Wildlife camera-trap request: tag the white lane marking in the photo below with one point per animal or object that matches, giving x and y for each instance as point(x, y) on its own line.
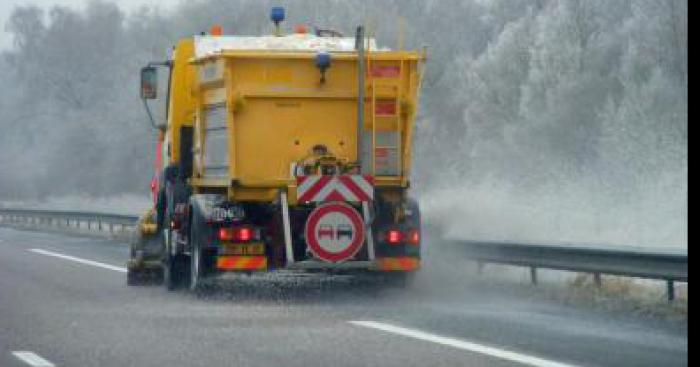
point(32, 359)
point(79, 260)
point(462, 344)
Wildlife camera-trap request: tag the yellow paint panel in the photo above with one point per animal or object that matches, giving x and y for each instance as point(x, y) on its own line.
point(278, 109)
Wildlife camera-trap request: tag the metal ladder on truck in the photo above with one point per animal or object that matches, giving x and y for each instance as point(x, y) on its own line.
point(386, 117)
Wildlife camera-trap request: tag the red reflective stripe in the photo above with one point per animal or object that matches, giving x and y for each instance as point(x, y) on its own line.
point(350, 184)
point(398, 264)
point(257, 262)
point(301, 179)
point(317, 189)
point(242, 262)
point(334, 196)
point(309, 194)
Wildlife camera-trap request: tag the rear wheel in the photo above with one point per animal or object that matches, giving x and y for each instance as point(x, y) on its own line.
point(176, 271)
point(196, 270)
point(201, 264)
point(148, 276)
point(175, 267)
point(135, 277)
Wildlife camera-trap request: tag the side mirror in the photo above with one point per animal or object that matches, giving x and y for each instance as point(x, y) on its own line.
point(149, 82)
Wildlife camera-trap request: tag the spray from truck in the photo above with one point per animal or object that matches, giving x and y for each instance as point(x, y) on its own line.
point(281, 152)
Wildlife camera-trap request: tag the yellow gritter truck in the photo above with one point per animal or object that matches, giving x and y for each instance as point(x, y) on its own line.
point(281, 152)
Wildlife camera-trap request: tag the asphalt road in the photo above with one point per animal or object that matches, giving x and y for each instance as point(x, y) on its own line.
point(64, 302)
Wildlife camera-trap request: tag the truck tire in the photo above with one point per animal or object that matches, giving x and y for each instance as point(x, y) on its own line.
point(175, 268)
point(134, 277)
point(201, 261)
point(196, 269)
point(176, 272)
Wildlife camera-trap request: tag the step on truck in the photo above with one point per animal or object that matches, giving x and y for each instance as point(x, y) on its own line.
point(281, 152)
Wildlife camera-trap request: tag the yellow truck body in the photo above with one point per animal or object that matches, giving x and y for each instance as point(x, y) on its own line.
point(256, 113)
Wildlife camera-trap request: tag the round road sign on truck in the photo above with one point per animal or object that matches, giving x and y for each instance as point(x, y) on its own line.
point(334, 232)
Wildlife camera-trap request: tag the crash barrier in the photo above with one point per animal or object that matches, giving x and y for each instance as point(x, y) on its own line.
point(661, 264)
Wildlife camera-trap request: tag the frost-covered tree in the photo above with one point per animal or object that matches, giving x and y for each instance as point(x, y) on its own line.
point(532, 95)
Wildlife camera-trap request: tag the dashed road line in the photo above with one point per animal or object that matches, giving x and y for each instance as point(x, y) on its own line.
point(32, 359)
point(79, 260)
point(490, 351)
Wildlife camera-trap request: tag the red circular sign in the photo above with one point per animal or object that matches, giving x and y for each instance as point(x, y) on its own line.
point(334, 232)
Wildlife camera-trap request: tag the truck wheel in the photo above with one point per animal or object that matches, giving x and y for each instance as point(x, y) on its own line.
point(175, 267)
point(196, 269)
point(134, 277)
point(175, 272)
point(200, 263)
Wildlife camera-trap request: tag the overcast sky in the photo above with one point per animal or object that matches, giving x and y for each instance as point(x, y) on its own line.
point(6, 7)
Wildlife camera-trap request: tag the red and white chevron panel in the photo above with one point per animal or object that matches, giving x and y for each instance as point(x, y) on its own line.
point(353, 188)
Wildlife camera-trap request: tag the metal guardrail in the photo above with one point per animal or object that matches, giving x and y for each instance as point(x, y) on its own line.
point(70, 220)
point(662, 264)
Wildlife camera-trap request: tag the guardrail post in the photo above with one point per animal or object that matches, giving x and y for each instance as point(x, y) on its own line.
point(670, 290)
point(533, 275)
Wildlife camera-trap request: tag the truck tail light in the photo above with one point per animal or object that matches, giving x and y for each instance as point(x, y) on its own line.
point(245, 234)
point(413, 237)
point(237, 234)
point(397, 237)
point(394, 237)
point(226, 234)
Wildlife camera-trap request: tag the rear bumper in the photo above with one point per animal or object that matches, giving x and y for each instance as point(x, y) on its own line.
point(259, 263)
point(404, 263)
point(242, 263)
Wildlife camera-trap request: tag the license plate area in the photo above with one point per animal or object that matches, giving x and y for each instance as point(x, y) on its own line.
point(242, 249)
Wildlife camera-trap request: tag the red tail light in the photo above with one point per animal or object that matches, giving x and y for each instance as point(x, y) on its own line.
point(413, 237)
point(394, 237)
point(226, 234)
point(245, 234)
point(240, 234)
